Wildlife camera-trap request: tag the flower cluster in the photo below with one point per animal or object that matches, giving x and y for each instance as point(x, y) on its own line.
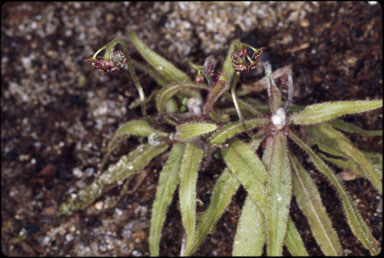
point(242, 62)
point(114, 63)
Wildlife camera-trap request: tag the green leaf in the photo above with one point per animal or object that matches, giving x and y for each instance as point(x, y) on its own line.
point(278, 195)
point(161, 65)
point(169, 179)
point(309, 201)
point(248, 168)
point(250, 233)
point(318, 113)
point(187, 192)
point(351, 128)
point(355, 220)
point(127, 166)
point(293, 240)
point(133, 127)
point(227, 66)
point(168, 92)
point(268, 152)
point(315, 136)
point(345, 146)
point(273, 92)
point(225, 187)
point(151, 72)
point(231, 129)
point(251, 173)
point(189, 131)
point(376, 159)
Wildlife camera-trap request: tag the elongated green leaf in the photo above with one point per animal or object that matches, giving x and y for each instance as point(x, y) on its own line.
point(152, 73)
point(324, 143)
point(168, 92)
point(278, 195)
point(293, 241)
point(248, 168)
point(273, 92)
point(268, 152)
point(231, 129)
point(164, 67)
point(346, 148)
point(133, 127)
point(250, 233)
point(187, 192)
point(318, 113)
point(189, 131)
point(225, 187)
point(376, 159)
point(355, 220)
point(128, 165)
point(227, 66)
point(169, 178)
point(243, 161)
point(309, 201)
point(351, 128)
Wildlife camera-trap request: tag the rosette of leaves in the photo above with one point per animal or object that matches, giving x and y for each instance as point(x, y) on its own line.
point(198, 128)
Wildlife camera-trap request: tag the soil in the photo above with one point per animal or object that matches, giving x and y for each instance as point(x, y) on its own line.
point(57, 114)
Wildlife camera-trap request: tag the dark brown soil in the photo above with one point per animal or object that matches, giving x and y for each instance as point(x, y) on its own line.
point(57, 115)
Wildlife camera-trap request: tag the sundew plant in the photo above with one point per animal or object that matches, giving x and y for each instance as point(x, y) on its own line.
point(198, 121)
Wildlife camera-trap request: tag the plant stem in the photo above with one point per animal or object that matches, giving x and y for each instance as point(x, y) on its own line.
point(234, 98)
point(132, 73)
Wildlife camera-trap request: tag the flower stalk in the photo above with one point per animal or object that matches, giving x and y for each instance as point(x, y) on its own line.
point(114, 60)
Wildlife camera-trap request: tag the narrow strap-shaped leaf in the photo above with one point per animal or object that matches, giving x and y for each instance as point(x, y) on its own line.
point(293, 241)
point(151, 72)
point(227, 66)
point(242, 161)
point(161, 65)
point(250, 232)
point(309, 201)
point(278, 195)
point(133, 127)
point(268, 152)
point(225, 187)
point(376, 159)
point(274, 93)
point(347, 148)
point(231, 129)
point(248, 168)
point(168, 181)
point(187, 192)
point(351, 128)
point(189, 131)
point(168, 92)
point(325, 144)
point(322, 112)
point(355, 220)
point(128, 165)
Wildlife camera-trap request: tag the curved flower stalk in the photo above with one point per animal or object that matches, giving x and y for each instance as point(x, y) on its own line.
point(114, 60)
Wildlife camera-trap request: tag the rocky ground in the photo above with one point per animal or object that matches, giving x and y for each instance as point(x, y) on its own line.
point(57, 114)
